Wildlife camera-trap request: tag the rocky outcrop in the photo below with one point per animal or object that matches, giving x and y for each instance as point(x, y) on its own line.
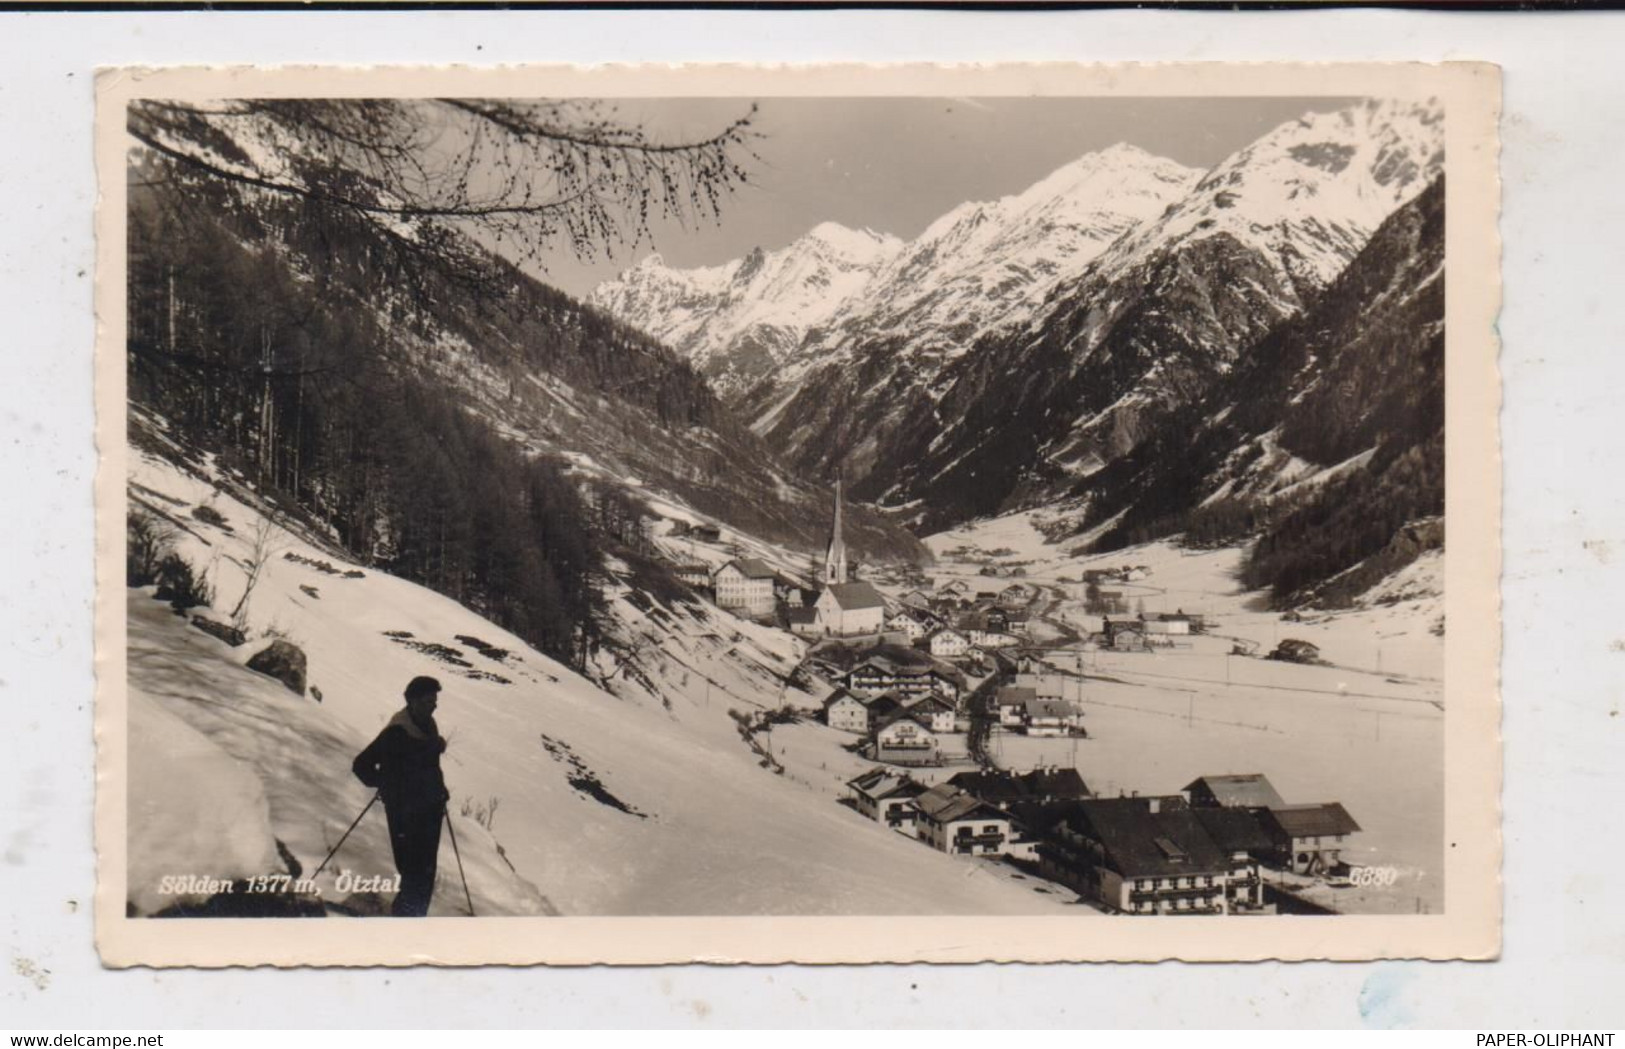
point(284, 661)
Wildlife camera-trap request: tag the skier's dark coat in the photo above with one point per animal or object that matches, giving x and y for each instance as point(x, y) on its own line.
point(403, 763)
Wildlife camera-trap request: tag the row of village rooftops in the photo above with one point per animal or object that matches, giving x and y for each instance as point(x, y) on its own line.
point(956, 622)
point(904, 712)
point(964, 620)
point(1198, 852)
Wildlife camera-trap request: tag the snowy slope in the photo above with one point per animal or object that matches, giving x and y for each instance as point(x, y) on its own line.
point(637, 797)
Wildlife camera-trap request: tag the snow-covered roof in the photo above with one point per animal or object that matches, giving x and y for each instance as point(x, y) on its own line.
point(879, 784)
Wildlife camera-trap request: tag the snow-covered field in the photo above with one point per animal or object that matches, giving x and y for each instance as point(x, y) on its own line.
point(638, 800)
point(1366, 730)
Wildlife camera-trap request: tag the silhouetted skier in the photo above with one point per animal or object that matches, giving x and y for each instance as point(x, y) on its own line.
point(403, 763)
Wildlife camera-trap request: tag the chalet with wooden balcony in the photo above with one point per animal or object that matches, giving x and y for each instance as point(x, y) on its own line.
point(887, 797)
point(956, 822)
point(1138, 856)
point(1240, 835)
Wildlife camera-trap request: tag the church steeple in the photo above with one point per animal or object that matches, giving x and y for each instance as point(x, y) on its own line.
point(835, 556)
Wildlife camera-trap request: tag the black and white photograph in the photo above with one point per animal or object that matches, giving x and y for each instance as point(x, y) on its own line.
point(1023, 506)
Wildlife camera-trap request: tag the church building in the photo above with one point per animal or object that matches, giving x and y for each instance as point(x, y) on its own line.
point(845, 607)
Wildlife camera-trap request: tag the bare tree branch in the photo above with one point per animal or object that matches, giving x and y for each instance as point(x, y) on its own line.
point(527, 172)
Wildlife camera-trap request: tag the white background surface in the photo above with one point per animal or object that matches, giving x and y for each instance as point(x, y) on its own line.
point(1564, 957)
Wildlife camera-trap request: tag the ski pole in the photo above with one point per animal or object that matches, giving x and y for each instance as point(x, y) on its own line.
point(342, 840)
point(454, 851)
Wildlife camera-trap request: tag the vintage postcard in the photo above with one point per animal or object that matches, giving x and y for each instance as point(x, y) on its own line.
point(827, 514)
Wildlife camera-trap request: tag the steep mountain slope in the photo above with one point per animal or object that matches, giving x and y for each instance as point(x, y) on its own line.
point(1327, 439)
point(1161, 315)
point(985, 266)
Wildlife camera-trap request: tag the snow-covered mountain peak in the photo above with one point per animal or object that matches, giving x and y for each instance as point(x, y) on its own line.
point(741, 317)
point(833, 290)
point(859, 245)
point(1310, 192)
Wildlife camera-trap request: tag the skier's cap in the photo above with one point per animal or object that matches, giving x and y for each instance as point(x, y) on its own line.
point(422, 685)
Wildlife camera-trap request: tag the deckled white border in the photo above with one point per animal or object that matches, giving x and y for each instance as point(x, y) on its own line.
point(1470, 926)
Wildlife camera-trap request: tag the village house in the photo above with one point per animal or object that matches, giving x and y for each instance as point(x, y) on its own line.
point(934, 712)
point(1010, 703)
point(930, 619)
point(1124, 635)
point(991, 639)
point(1052, 783)
point(1008, 790)
point(905, 622)
point(1251, 790)
point(803, 621)
point(846, 712)
point(916, 599)
point(948, 644)
point(871, 677)
point(956, 822)
point(1016, 595)
point(788, 591)
point(1194, 621)
point(1050, 685)
point(1138, 856)
point(1030, 663)
point(706, 533)
point(845, 609)
point(1051, 717)
point(887, 797)
point(745, 585)
point(1239, 834)
point(1168, 625)
point(900, 738)
point(997, 787)
point(874, 676)
point(1308, 839)
point(918, 680)
point(1296, 650)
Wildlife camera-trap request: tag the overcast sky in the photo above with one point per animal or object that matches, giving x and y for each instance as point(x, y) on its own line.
point(894, 165)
